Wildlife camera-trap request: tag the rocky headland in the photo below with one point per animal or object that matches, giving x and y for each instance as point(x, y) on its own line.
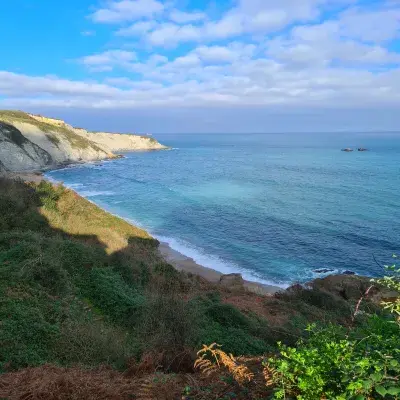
point(31, 143)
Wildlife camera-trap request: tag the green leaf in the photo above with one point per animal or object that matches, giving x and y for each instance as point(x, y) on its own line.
point(376, 376)
point(394, 390)
point(360, 397)
point(381, 390)
point(367, 384)
point(394, 363)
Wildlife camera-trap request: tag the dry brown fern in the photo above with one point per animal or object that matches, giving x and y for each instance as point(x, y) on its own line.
point(206, 364)
point(145, 390)
point(270, 375)
point(160, 386)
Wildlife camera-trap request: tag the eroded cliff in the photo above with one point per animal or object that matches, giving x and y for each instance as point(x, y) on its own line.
point(30, 142)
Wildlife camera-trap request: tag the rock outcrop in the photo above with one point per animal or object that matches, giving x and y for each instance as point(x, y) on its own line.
point(232, 281)
point(29, 142)
point(17, 153)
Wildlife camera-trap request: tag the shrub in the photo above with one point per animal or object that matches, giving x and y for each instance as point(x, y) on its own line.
point(333, 365)
point(92, 343)
point(392, 282)
point(362, 362)
point(237, 333)
point(108, 292)
point(49, 194)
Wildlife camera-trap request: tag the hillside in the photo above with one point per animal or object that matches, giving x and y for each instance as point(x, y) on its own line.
point(90, 310)
point(30, 142)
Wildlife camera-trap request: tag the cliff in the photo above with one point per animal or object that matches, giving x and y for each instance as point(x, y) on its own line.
point(31, 142)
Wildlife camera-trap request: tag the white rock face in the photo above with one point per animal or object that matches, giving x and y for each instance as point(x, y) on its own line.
point(29, 142)
point(19, 154)
point(121, 142)
point(63, 146)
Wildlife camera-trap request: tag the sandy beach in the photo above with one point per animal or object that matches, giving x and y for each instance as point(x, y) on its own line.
point(187, 264)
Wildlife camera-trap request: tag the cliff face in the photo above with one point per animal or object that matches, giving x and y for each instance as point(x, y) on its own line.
point(29, 142)
point(120, 142)
point(17, 153)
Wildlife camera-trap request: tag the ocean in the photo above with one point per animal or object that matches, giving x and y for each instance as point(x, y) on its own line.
point(274, 207)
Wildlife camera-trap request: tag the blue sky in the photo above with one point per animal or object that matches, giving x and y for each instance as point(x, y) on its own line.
point(209, 65)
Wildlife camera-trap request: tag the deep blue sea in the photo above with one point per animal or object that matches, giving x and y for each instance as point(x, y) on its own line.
point(274, 207)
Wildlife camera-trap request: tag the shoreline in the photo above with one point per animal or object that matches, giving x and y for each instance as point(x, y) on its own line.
point(178, 260)
point(181, 262)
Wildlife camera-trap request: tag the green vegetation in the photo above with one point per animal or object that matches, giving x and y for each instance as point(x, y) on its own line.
point(84, 286)
point(80, 286)
point(149, 138)
point(342, 364)
point(360, 362)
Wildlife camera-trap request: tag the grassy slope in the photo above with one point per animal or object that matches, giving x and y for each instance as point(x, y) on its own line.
point(80, 286)
point(83, 285)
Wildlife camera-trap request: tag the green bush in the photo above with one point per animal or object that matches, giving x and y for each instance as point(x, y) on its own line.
point(224, 324)
point(107, 291)
point(49, 194)
point(335, 365)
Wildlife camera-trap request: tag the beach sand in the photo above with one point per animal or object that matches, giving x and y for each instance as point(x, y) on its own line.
point(187, 264)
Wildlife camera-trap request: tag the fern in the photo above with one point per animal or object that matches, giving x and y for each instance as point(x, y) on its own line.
point(211, 358)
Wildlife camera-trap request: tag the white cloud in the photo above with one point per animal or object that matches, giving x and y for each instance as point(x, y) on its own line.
point(247, 17)
point(88, 33)
point(225, 54)
point(259, 53)
point(182, 17)
point(109, 57)
point(337, 41)
point(127, 10)
point(137, 29)
point(373, 26)
point(107, 60)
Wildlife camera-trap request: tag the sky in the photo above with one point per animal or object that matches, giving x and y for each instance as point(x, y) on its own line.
point(204, 65)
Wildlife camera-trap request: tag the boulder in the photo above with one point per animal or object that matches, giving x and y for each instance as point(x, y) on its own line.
point(352, 287)
point(347, 149)
point(323, 270)
point(362, 149)
point(232, 281)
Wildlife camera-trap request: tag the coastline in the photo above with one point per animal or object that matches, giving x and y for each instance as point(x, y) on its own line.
point(178, 260)
point(186, 264)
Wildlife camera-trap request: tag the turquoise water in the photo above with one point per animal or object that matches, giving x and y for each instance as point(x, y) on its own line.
point(274, 207)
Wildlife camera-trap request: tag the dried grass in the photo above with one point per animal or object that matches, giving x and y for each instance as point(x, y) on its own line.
point(54, 383)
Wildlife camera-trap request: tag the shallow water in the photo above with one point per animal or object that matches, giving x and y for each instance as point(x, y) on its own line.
point(274, 207)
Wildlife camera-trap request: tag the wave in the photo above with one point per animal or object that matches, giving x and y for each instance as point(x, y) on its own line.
point(214, 262)
point(89, 193)
point(74, 185)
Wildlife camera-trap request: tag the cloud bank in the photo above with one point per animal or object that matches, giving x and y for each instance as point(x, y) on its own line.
point(307, 55)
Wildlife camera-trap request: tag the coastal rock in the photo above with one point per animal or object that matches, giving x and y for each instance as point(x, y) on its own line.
point(348, 150)
point(362, 149)
point(30, 142)
point(348, 272)
point(294, 289)
point(352, 287)
point(323, 270)
point(17, 153)
point(232, 281)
